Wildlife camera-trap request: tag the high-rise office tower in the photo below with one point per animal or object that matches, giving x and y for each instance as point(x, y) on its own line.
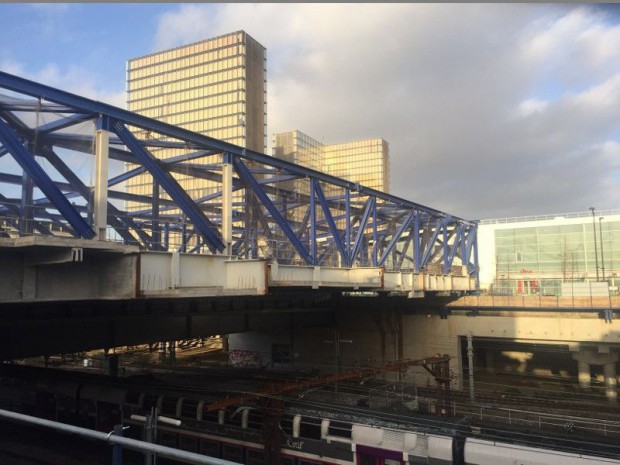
point(364, 161)
point(216, 87)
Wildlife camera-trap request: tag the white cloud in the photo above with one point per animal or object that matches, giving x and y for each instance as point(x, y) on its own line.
point(74, 79)
point(531, 106)
point(443, 84)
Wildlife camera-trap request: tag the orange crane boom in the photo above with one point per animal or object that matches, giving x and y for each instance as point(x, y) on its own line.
point(308, 383)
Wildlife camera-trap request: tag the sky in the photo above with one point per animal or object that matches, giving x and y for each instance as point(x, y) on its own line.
point(490, 110)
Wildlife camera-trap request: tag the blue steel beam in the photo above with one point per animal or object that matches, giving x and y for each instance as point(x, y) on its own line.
point(171, 186)
point(313, 248)
point(457, 236)
point(115, 216)
point(471, 246)
point(396, 237)
point(63, 123)
point(330, 221)
point(208, 175)
point(347, 224)
point(78, 103)
point(23, 105)
point(13, 208)
point(26, 160)
point(439, 224)
point(403, 253)
point(384, 211)
point(375, 237)
point(246, 176)
point(14, 121)
point(417, 257)
point(71, 192)
point(445, 249)
point(370, 207)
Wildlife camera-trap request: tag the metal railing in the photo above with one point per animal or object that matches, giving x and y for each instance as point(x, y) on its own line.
point(538, 420)
point(117, 440)
point(519, 219)
point(538, 301)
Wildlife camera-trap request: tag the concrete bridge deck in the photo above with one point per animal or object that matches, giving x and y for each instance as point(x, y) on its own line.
point(40, 268)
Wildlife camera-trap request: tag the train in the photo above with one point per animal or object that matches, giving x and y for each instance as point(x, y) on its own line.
point(304, 433)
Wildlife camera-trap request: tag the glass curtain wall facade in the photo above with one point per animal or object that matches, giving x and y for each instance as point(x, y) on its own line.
point(216, 87)
point(365, 161)
point(536, 257)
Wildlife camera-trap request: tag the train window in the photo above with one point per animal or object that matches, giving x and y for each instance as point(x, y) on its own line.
point(188, 409)
point(280, 353)
point(339, 429)
point(233, 417)
point(287, 460)
point(232, 453)
point(132, 398)
point(255, 419)
point(210, 448)
point(169, 406)
point(310, 428)
point(286, 424)
point(255, 457)
point(210, 416)
point(107, 416)
point(365, 459)
point(150, 401)
point(308, 462)
point(167, 439)
point(188, 443)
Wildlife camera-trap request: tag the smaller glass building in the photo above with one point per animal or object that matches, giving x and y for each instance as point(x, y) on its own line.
point(363, 161)
point(535, 255)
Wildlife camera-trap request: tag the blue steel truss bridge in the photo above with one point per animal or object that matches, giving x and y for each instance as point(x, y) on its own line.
point(73, 225)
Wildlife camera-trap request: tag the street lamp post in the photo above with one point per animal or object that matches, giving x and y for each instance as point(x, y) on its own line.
point(594, 234)
point(600, 230)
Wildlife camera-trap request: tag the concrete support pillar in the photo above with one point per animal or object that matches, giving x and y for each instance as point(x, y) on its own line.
point(29, 282)
point(470, 358)
point(603, 356)
point(172, 351)
point(110, 364)
point(609, 369)
point(584, 374)
point(489, 355)
point(227, 189)
point(102, 143)
point(161, 350)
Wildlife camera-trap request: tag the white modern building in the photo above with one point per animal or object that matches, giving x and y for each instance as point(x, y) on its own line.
point(538, 254)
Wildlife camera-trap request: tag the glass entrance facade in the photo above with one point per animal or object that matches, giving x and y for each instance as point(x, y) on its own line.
point(536, 256)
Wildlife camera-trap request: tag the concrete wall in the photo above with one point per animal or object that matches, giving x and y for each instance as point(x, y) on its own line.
point(12, 278)
point(367, 339)
point(107, 277)
point(374, 338)
point(65, 273)
point(426, 335)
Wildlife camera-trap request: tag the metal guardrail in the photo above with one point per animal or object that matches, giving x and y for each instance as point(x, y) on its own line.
point(519, 219)
point(538, 301)
point(118, 441)
point(540, 420)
